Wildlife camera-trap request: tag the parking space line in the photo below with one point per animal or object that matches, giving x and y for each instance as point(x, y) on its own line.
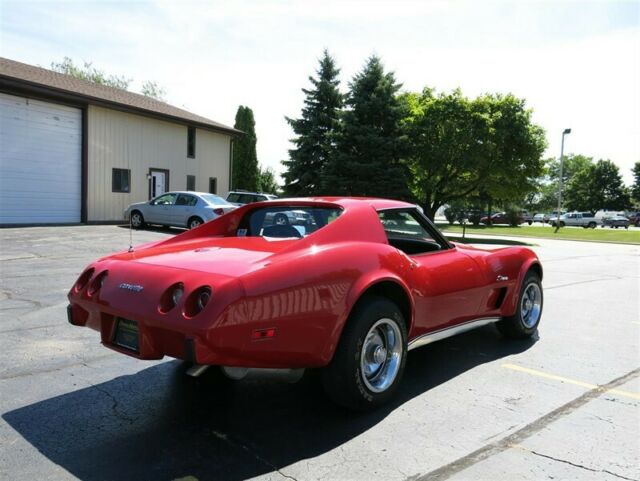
point(534, 372)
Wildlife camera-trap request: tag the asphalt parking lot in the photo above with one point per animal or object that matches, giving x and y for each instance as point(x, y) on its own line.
point(563, 406)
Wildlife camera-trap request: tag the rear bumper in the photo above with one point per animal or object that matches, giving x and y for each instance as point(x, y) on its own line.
point(223, 345)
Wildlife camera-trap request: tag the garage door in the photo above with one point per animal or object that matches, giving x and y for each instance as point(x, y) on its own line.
point(40, 161)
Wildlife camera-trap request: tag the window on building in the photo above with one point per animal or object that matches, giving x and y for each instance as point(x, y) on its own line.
point(121, 180)
point(191, 142)
point(213, 185)
point(191, 182)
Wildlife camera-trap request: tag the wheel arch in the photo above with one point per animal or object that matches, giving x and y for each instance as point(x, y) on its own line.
point(531, 263)
point(388, 286)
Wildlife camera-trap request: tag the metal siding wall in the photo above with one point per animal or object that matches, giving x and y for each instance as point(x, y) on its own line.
point(40, 161)
point(128, 141)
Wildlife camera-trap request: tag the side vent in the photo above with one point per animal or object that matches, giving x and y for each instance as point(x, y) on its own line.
point(502, 292)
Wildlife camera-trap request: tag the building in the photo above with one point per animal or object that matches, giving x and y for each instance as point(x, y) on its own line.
point(73, 151)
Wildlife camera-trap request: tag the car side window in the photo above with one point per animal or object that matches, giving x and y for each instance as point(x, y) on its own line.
point(406, 232)
point(166, 199)
point(186, 200)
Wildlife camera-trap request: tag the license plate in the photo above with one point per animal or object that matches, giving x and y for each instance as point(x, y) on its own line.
point(127, 335)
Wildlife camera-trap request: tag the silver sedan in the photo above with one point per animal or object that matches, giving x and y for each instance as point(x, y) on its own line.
point(180, 209)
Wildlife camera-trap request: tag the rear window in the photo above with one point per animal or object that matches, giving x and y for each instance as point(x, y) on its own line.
point(214, 199)
point(286, 222)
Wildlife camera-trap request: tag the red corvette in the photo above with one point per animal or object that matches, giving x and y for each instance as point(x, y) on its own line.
point(347, 285)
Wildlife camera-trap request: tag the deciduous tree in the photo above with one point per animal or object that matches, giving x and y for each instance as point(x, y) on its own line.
point(460, 147)
point(597, 186)
point(635, 188)
point(267, 180)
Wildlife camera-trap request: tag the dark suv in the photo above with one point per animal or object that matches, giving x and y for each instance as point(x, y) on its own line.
point(241, 197)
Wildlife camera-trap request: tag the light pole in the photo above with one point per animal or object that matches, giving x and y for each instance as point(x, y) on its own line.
point(564, 132)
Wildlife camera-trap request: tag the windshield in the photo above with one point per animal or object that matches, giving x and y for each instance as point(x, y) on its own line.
point(214, 199)
point(286, 222)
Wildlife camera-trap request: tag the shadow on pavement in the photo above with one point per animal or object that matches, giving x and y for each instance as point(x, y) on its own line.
point(159, 424)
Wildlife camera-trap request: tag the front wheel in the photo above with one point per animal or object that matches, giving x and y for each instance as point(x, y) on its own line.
point(369, 361)
point(592, 225)
point(529, 311)
point(137, 220)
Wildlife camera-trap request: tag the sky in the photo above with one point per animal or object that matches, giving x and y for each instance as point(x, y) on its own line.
point(577, 63)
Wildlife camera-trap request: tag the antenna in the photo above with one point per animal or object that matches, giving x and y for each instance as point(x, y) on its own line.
point(130, 234)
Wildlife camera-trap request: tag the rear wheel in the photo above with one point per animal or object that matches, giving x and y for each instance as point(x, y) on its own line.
point(592, 225)
point(529, 311)
point(368, 364)
point(194, 222)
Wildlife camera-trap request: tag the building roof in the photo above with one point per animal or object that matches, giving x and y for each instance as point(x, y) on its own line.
point(49, 83)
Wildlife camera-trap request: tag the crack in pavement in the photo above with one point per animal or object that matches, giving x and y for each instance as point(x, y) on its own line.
point(559, 460)
point(114, 402)
point(516, 438)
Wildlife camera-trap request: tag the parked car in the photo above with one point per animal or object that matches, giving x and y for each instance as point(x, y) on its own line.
point(542, 218)
point(288, 217)
point(526, 217)
point(179, 209)
point(241, 197)
point(497, 218)
point(349, 295)
point(616, 221)
point(503, 218)
point(580, 219)
point(634, 218)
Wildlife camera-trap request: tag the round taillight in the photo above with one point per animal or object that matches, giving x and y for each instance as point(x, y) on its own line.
point(203, 298)
point(197, 301)
point(83, 280)
point(171, 297)
point(176, 295)
point(98, 282)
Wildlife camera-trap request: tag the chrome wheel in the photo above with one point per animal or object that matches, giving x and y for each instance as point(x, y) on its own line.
point(194, 223)
point(280, 219)
point(381, 355)
point(531, 305)
point(136, 219)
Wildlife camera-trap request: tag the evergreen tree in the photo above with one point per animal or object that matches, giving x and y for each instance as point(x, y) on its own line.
point(370, 144)
point(245, 159)
point(315, 131)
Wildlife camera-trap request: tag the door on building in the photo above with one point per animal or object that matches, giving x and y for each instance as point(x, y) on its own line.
point(40, 161)
point(158, 183)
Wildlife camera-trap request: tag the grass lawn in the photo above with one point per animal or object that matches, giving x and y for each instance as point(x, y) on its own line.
point(566, 233)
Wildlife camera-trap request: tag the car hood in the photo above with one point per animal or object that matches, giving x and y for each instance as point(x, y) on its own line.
point(228, 256)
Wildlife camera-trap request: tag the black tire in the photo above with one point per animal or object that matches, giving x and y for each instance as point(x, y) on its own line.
point(343, 379)
point(517, 327)
point(529, 222)
point(561, 224)
point(280, 219)
point(137, 220)
point(194, 222)
point(592, 225)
